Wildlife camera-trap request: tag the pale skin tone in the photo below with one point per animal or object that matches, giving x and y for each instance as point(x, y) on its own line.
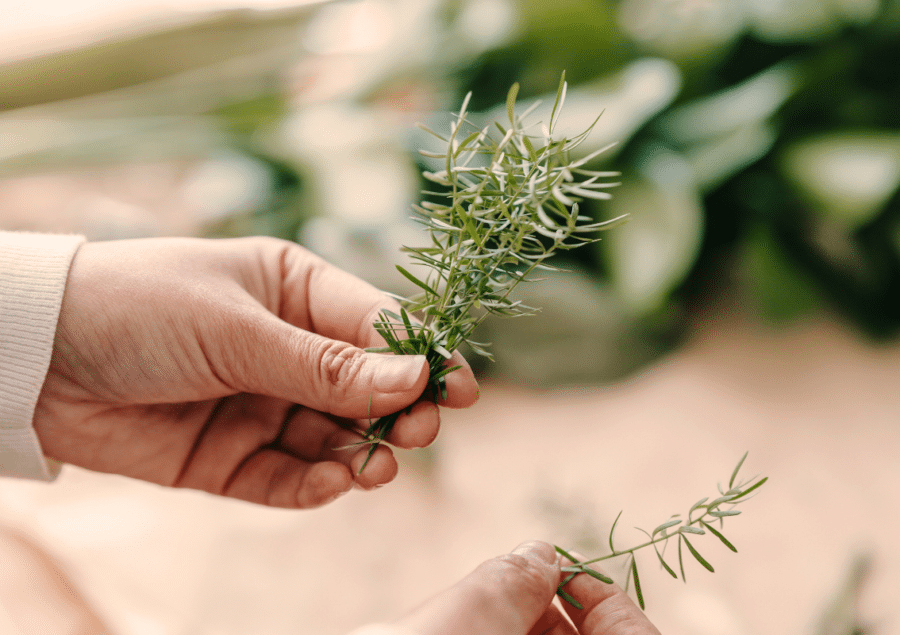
point(238, 367)
point(513, 594)
point(230, 366)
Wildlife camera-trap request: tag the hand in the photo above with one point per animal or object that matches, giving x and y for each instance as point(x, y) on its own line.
point(230, 366)
point(513, 595)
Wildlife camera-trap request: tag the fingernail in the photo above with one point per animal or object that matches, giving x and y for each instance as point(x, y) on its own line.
point(537, 549)
point(395, 373)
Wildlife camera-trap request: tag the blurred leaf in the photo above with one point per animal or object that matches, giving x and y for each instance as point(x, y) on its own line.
point(582, 333)
point(534, 56)
point(843, 615)
point(246, 117)
point(715, 161)
point(652, 253)
point(846, 176)
point(808, 20)
point(781, 290)
point(628, 99)
point(203, 43)
point(751, 101)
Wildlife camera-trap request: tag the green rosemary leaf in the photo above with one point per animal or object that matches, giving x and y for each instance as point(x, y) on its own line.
point(596, 574)
point(691, 530)
point(437, 177)
point(511, 102)
point(718, 501)
point(664, 526)
point(715, 532)
point(530, 147)
point(560, 98)
point(443, 352)
point(753, 487)
point(681, 559)
point(568, 598)
point(565, 554)
point(699, 504)
point(697, 555)
point(372, 448)
point(664, 564)
point(422, 126)
point(612, 531)
point(416, 281)
point(409, 347)
point(444, 372)
point(724, 513)
point(637, 583)
point(407, 323)
point(737, 469)
point(465, 144)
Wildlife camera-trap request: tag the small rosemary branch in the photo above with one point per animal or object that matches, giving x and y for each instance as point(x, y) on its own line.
point(511, 199)
point(700, 519)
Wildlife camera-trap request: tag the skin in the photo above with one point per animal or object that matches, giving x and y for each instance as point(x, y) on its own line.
point(231, 366)
point(513, 594)
point(237, 367)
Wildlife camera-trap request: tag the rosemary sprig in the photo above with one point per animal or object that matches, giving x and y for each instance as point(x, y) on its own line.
point(511, 199)
point(700, 519)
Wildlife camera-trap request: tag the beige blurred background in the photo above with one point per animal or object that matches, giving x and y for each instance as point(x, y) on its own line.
point(750, 304)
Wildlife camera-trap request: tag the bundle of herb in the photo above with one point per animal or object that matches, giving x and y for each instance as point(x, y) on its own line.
point(700, 519)
point(510, 201)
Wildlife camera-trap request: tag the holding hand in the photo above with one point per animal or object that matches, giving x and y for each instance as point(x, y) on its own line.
point(513, 595)
point(231, 366)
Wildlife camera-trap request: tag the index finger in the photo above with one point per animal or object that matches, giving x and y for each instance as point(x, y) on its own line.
point(324, 299)
point(607, 609)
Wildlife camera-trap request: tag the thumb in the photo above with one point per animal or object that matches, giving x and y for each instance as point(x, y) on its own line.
point(331, 376)
point(507, 594)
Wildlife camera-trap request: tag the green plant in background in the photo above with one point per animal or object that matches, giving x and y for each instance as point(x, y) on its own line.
point(701, 518)
point(511, 202)
point(783, 135)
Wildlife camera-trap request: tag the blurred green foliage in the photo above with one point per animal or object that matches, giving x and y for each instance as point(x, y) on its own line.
point(785, 137)
point(759, 144)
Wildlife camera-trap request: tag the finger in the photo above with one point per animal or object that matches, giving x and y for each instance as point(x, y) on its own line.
point(553, 622)
point(462, 388)
point(508, 594)
point(417, 429)
point(325, 299)
point(380, 468)
point(276, 479)
point(316, 437)
point(607, 609)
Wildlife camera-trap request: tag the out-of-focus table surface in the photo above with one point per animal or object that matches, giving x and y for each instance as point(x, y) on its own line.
point(816, 407)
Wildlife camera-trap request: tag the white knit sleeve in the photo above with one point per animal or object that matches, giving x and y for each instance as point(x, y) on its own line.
point(33, 272)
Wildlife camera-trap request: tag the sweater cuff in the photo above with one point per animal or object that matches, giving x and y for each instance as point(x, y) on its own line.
point(33, 272)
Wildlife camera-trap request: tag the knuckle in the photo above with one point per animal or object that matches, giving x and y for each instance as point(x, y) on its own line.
point(341, 364)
